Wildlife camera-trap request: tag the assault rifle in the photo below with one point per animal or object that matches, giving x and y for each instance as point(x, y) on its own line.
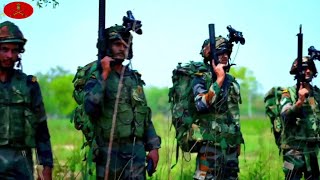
point(213, 55)
point(234, 36)
point(300, 76)
point(129, 22)
point(101, 45)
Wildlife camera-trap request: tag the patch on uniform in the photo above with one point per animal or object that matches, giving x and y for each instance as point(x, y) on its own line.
point(139, 90)
point(34, 79)
point(137, 94)
point(283, 100)
point(198, 74)
point(286, 94)
point(288, 165)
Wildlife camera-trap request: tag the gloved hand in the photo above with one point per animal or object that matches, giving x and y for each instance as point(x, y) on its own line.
point(154, 156)
point(44, 173)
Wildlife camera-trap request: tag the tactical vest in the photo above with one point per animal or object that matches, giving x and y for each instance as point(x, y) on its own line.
point(133, 113)
point(221, 125)
point(305, 127)
point(17, 121)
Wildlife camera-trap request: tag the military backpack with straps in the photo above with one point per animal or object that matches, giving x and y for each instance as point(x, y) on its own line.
point(272, 109)
point(182, 104)
point(79, 117)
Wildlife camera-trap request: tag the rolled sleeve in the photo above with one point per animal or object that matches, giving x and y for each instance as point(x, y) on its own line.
point(288, 108)
point(204, 97)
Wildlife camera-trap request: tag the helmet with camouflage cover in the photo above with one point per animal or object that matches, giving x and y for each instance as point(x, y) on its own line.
point(118, 32)
point(222, 46)
point(10, 33)
point(306, 62)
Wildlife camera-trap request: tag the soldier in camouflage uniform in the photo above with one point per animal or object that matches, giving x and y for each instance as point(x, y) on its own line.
point(23, 121)
point(217, 103)
point(300, 137)
point(134, 133)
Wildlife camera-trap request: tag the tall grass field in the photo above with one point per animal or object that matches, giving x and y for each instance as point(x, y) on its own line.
point(259, 159)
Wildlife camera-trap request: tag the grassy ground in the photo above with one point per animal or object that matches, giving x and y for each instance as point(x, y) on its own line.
point(259, 158)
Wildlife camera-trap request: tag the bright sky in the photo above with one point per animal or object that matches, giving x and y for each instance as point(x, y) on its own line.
point(173, 31)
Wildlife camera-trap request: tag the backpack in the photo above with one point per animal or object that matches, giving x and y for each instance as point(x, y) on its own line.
point(272, 109)
point(182, 104)
point(80, 119)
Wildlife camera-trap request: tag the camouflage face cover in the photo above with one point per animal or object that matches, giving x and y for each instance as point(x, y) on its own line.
point(305, 61)
point(222, 46)
point(10, 33)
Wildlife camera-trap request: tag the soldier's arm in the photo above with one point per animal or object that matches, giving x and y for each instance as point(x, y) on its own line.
point(204, 97)
point(93, 96)
point(151, 139)
point(42, 136)
point(289, 110)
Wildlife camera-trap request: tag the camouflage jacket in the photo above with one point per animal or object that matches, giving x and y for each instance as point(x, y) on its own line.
point(133, 114)
point(218, 109)
point(300, 124)
point(36, 106)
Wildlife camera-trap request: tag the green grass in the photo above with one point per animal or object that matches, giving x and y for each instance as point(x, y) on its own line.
point(259, 157)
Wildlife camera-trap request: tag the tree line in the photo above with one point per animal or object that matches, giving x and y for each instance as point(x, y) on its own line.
point(57, 88)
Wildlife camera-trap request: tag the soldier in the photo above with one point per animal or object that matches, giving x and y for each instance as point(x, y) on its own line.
point(300, 116)
point(23, 121)
point(217, 112)
point(134, 133)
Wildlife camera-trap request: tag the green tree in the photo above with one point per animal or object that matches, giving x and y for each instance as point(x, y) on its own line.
point(249, 87)
point(158, 99)
point(57, 91)
point(44, 3)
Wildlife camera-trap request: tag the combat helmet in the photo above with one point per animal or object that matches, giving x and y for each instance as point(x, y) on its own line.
point(222, 46)
point(306, 62)
point(117, 32)
point(10, 33)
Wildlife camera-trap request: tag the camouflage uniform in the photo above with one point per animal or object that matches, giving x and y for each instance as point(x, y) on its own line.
point(23, 121)
point(300, 136)
point(218, 120)
point(134, 131)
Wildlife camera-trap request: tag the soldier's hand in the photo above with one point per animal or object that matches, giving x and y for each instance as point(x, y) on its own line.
point(154, 155)
point(303, 94)
point(106, 67)
point(219, 72)
point(46, 173)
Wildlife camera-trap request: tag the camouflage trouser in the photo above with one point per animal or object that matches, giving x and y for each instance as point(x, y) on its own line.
point(15, 164)
point(212, 163)
point(127, 161)
point(298, 164)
